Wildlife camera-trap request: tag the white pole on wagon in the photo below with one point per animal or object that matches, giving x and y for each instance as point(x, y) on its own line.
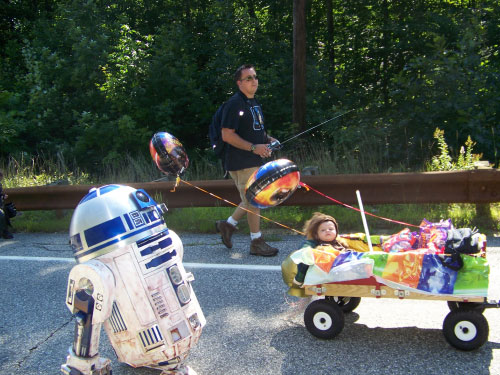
point(365, 225)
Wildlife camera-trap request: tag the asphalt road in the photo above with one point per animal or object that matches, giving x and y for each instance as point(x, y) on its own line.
point(252, 326)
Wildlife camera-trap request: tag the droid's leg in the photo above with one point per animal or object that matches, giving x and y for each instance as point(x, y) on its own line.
point(83, 358)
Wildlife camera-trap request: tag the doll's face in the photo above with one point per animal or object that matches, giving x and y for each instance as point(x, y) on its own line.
point(327, 231)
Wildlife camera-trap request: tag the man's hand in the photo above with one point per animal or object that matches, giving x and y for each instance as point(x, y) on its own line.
point(230, 136)
point(262, 150)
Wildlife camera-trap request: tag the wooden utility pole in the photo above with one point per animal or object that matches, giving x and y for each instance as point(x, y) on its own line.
point(299, 63)
point(329, 38)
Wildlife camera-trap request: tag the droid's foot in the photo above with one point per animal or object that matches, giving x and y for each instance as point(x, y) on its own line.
point(181, 370)
point(86, 366)
point(67, 370)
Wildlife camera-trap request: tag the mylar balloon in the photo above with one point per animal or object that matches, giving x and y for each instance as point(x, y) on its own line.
point(168, 154)
point(273, 183)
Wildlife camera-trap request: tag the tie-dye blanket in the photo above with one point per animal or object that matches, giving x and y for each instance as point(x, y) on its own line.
point(414, 270)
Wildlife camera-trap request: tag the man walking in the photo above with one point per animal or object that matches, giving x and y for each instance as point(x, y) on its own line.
point(243, 130)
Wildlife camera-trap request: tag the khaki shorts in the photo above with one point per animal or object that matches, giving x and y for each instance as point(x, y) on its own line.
point(240, 179)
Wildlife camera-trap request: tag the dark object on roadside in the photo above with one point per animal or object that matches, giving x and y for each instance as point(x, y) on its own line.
point(10, 210)
point(7, 235)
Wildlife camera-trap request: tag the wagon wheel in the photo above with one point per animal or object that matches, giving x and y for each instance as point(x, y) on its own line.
point(476, 306)
point(346, 304)
point(324, 319)
point(465, 329)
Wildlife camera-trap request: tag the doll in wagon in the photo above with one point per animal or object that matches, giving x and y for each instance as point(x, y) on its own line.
point(321, 238)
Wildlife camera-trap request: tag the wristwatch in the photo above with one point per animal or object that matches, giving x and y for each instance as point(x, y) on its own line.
point(252, 148)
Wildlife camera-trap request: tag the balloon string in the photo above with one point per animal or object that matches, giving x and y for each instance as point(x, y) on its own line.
point(177, 179)
point(356, 209)
point(244, 209)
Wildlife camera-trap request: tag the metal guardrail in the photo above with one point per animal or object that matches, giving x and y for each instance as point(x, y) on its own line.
point(474, 186)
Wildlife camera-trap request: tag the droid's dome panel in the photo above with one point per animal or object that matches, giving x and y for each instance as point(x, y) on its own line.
point(112, 215)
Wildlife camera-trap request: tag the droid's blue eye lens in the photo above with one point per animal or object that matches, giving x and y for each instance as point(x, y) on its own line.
point(142, 197)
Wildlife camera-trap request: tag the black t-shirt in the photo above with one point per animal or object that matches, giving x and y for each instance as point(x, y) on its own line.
point(246, 118)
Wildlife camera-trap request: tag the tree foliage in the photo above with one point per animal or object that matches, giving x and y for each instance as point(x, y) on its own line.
point(94, 79)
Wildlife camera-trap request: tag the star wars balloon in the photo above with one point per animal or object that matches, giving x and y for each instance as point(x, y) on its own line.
point(273, 183)
point(168, 154)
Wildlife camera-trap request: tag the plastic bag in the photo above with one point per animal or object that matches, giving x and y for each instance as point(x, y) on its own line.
point(402, 241)
point(433, 236)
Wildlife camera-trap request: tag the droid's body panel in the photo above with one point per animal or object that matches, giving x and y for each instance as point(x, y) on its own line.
point(144, 295)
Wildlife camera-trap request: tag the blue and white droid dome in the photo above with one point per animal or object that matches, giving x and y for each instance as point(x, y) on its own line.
point(111, 216)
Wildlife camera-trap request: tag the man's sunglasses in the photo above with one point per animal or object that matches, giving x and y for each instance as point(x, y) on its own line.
point(250, 78)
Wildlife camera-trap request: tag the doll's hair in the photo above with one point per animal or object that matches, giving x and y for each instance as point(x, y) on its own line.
point(311, 225)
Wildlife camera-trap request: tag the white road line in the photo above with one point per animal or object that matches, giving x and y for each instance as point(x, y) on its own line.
point(38, 259)
point(249, 267)
point(219, 266)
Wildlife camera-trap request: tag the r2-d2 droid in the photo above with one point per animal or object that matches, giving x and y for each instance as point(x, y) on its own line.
point(129, 279)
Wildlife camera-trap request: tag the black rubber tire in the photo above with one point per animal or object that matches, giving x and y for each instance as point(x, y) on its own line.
point(346, 304)
point(324, 319)
point(465, 329)
point(476, 306)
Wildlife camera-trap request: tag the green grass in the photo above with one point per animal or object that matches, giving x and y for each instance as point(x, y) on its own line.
point(201, 219)
point(42, 221)
point(21, 172)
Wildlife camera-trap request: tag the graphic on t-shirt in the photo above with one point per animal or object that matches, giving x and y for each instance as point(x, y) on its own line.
point(258, 117)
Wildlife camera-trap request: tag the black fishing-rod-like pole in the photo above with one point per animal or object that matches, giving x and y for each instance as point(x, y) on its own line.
point(277, 145)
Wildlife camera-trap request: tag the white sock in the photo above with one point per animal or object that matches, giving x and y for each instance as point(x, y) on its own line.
point(231, 221)
point(254, 236)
